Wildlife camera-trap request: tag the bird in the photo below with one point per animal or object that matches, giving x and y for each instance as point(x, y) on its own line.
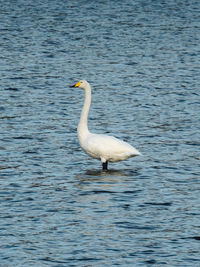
point(100, 146)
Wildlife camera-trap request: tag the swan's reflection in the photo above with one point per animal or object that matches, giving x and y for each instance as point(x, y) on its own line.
point(112, 172)
point(110, 178)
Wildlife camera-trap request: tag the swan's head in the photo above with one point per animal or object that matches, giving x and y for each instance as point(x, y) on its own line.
point(82, 84)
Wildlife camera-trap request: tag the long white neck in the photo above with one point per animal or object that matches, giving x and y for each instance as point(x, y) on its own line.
point(82, 126)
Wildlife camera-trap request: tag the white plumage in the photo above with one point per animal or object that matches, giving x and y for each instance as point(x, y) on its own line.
point(104, 147)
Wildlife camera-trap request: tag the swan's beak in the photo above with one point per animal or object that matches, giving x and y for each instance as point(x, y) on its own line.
point(76, 85)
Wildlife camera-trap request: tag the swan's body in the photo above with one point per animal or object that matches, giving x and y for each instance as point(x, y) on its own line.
point(99, 146)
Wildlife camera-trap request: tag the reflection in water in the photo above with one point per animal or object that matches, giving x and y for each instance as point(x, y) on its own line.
point(106, 175)
point(99, 180)
point(112, 173)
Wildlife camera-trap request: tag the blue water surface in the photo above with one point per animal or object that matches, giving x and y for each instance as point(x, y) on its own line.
point(142, 60)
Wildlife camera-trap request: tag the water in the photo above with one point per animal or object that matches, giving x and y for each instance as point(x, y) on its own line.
point(142, 60)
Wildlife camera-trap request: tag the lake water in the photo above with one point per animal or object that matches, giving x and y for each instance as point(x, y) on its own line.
point(57, 208)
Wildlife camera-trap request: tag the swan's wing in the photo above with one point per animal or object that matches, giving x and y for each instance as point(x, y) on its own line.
point(109, 147)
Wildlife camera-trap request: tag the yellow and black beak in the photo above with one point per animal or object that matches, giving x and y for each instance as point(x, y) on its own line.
point(76, 85)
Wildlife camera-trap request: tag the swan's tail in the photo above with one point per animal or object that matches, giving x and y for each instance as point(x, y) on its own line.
point(135, 152)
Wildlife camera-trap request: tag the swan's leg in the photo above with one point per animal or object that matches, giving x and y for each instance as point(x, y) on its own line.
point(105, 165)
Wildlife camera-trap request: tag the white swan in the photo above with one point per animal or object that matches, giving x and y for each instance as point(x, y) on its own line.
point(99, 146)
